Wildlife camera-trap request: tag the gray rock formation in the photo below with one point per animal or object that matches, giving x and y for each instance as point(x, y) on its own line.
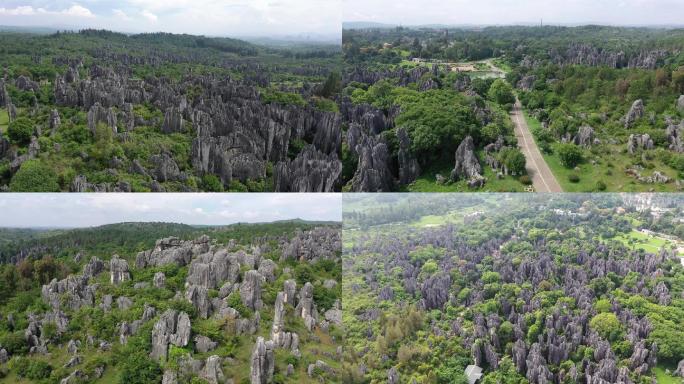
point(585, 136)
point(54, 121)
point(639, 142)
point(99, 114)
point(680, 104)
point(409, 170)
point(174, 328)
point(118, 269)
point(159, 280)
point(204, 344)
point(250, 290)
point(74, 291)
point(466, 164)
point(199, 297)
point(305, 306)
point(320, 243)
point(212, 371)
point(173, 121)
point(172, 250)
point(94, 267)
point(263, 362)
point(636, 111)
point(392, 376)
point(526, 83)
point(311, 171)
point(165, 168)
point(680, 369)
point(373, 172)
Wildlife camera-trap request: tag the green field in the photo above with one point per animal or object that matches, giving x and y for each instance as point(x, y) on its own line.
point(664, 378)
point(609, 165)
point(639, 240)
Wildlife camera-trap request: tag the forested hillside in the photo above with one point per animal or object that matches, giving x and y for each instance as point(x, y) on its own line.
point(146, 302)
point(96, 110)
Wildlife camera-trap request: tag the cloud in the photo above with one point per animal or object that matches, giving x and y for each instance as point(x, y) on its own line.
point(121, 14)
point(27, 10)
point(79, 11)
point(149, 16)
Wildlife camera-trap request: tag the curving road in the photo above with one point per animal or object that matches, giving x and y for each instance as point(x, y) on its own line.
point(543, 179)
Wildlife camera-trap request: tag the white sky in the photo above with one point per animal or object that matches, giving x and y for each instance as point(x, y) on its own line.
point(614, 12)
point(198, 17)
point(91, 209)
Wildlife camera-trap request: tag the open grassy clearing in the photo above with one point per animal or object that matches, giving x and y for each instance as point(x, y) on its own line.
point(664, 378)
point(607, 164)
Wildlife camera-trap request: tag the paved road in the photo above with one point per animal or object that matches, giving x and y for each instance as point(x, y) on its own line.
point(543, 179)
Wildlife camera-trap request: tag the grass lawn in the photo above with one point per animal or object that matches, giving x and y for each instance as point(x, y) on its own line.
point(609, 167)
point(426, 181)
point(664, 378)
point(643, 241)
point(4, 120)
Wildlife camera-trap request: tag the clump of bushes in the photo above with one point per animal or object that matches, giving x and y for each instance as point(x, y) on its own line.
point(573, 178)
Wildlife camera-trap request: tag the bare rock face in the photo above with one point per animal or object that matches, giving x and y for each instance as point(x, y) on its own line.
point(675, 135)
point(250, 290)
point(99, 114)
point(212, 269)
point(54, 122)
point(585, 136)
point(282, 339)
point(639, 142)
point(263, 362)
point(409, 170)
point(74, 288)
point(435, 291)
point(537, 370)
point(172, 250)
point(311, 171)
point(320, 243)
point(166, 168)
point(118, 269)
point(680, 369)
point(680, 103)
point(4, 96)
point(174, 328)
point(526, 83)
point(199, 297)
point(204, 344)
point(373, 172)
point(173, 121)
point(159, 280)
point(212, 371)
point(305, 306)
point(466, 166)
point(393, 376)
point(635, 112)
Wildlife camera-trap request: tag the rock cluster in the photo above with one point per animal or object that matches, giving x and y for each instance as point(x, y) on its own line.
point(173, 327)
point(636, 111)
point(263, 362)
point(466, 165)
point(118, 269)
point(639, 142)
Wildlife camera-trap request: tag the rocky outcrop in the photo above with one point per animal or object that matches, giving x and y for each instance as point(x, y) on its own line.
point(466, 164)
point(305, 306)
point(172, 250)
point(73, 291)
point(526, 83)
point(174, 328)
point(373, 171)
point(310, 171)
point(636, 111)
point(173, 121)
point(262, 363)
point(680, 104)
point(320, 243)
point(639, 142)
point(680, 369)
point(250, 290)
point(101, 115)
point(118, 269)
point(204, 344)
point(54, 122)
point(159, 280)
point(584, 136)
point(165, 168)
point(409, 170)
point(675, 136)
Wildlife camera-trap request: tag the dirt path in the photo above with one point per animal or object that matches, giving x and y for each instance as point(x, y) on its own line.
point(543, 179)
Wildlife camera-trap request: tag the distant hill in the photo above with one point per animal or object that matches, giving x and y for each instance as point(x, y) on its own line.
point(366, 25)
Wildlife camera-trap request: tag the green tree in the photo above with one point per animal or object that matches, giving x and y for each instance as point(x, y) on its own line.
point(570, 155)
point(607, 325)
point(20, 131)
point(501, 92)
point(34, 176)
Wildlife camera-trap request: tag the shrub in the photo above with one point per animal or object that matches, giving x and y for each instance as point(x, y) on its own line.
point(34, 176)
point(573, 178)
point(211, 183)
point(570, 155)
point(14, 343)
point(20, 130)
point(525, 179)
point(601, 186)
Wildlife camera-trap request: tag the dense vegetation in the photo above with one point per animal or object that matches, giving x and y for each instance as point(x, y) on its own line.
point(108, 335)
point(531, 288)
